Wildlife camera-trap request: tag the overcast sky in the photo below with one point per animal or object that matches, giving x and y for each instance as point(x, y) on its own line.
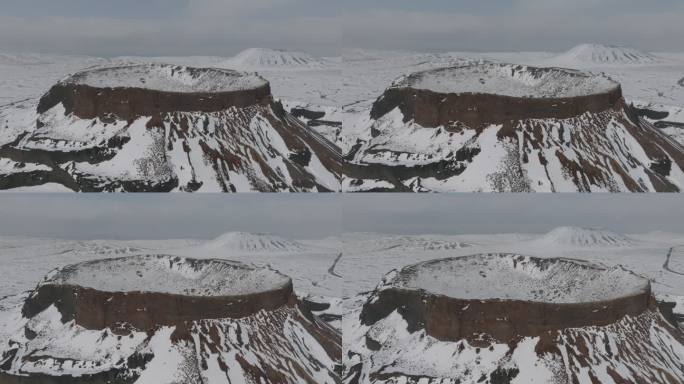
point(224, 27)
point(163, 216)
point(159, 216)
point(464, 213)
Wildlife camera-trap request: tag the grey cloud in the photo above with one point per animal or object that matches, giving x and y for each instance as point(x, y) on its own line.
point(223, 27)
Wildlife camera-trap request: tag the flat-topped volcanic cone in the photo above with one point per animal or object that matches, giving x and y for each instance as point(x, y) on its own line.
point(479, 94)
point(129, 92)
point(484, 126)
point(158, 127)
point(494, 318)
point(153, 290)
point(507, 296)
point(166, 319)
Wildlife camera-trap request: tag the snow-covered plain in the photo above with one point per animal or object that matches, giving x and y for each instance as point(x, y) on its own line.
point(648, 83)
point(343, 89)
point(343, 270)
point(345, 86)
point(26, 77)
point(354, 263)
point(212, 351)
point(645, 254)
point(401, 355)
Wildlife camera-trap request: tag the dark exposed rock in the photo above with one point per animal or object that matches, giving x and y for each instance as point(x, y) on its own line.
point(328, 123)
point(307, 114)
point(662, 166)
point(301, 157)
point(650, 113)
point(93, 309)
point(110, 377)
point(503, 376)
point(667, 309)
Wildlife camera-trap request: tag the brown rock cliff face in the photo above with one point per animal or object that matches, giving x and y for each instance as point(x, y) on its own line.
point(128, 104)
point(452, 319)
point(432, 109)
point(93, 309)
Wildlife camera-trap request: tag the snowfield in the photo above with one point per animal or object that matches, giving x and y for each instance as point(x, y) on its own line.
point(167, 78)
point(645, 255)
point(392, 350)
point(287, 341)
point(339, 273)
point(340, 92)
point(168, 274)
point(516, 277)
point(330, 267)
point(507, 80)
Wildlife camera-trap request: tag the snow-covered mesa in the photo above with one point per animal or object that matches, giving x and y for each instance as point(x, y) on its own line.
point(169, 274)
point(168, 78)
point(508, 80)
point(515, 277)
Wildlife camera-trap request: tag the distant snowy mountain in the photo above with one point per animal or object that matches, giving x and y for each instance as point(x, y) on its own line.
point(265, 58)
point(23, 59)
point(254, 242)
point(585, 237)
point(598, 54)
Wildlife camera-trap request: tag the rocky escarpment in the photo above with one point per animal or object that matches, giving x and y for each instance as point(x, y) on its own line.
point(485, 126)
point(160, 127)
point(92, 307)
point(493, 318)
point(427, 98)
point(542, 295)
point(99, 93)
point(167, 319)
